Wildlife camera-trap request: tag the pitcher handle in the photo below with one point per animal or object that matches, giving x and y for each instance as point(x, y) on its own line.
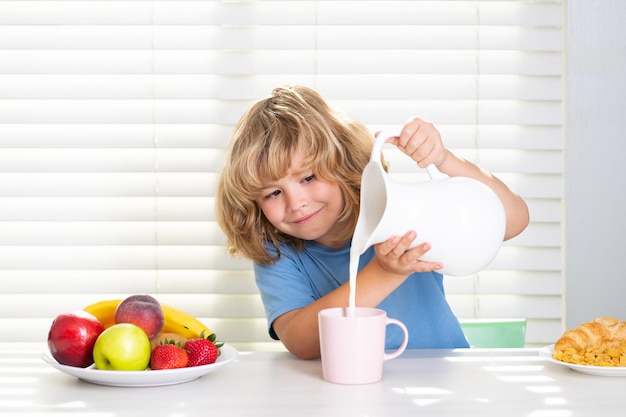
point(380, 141)
point(433, 171)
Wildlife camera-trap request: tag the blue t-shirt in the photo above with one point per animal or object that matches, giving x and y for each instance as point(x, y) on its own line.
point(299, 278)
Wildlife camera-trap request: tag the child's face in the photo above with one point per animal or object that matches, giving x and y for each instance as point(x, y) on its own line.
point(303, 206)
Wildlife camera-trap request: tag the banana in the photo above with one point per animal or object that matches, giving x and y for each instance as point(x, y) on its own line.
point(104, 311)
point(175, 320)
point(179, 322)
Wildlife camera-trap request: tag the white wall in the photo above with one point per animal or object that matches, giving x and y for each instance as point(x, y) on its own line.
point(595, 208)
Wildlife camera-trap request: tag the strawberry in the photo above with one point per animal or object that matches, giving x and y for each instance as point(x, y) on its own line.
point(168, 356)
point(202, 351)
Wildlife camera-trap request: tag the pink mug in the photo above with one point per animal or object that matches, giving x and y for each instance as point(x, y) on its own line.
point(352, 346)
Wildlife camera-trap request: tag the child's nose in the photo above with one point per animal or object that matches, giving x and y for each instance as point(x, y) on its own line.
point(297, 201)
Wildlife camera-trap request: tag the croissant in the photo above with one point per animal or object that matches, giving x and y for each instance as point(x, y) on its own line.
point(599, 342)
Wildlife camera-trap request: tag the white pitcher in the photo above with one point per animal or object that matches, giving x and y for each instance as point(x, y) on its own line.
point(462, 218)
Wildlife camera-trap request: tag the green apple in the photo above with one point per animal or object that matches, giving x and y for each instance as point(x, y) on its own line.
point(122, 347)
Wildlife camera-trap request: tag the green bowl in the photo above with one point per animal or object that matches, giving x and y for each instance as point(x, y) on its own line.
point(495, 333)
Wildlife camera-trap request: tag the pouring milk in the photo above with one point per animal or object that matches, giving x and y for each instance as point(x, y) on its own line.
point(462, 218)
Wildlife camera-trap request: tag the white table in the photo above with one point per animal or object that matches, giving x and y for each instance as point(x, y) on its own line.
point(464, 382)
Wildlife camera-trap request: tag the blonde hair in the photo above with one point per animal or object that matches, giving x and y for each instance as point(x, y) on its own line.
point(336, 148)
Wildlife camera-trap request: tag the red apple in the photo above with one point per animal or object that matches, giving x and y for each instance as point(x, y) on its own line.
point(142, 310)
point(72, 336)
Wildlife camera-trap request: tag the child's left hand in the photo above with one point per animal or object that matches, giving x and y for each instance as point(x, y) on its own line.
point(394, 255)
point(421, 141)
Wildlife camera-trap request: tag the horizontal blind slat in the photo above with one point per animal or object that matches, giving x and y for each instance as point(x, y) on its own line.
point(503, 305)
point(255, 64)
point(112, 160)
point(121, 111)
point(177, 233)
point(515, 282)
point(93, 285)
point(544, 213)
point(130, 184)
point(301, 12)
point(307, 37)
point(134, 257)
point(212, 160)
point(105, 136)
point(211, 257)
point(215, 111)
point(77, 209)
point(202, 136)
point(440, 86)
point(111, 233)
point(179, 185)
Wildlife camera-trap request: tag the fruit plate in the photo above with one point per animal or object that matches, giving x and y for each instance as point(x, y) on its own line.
point(546, 353)
point(146, 378)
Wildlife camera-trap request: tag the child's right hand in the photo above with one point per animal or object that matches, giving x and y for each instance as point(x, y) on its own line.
point(394, 255)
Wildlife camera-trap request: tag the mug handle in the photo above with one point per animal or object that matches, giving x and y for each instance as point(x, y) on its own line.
point(402, 347)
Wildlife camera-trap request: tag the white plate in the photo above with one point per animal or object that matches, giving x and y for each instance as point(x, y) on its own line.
point(546, 352)
point(146, 378)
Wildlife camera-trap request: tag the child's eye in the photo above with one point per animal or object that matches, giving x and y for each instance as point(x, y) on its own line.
point(273, 194)
point(309, 178)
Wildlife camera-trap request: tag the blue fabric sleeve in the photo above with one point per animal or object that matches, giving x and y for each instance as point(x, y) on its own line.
point(283, 288)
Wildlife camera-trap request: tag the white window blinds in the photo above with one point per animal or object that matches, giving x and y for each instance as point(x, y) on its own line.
point(114, 116)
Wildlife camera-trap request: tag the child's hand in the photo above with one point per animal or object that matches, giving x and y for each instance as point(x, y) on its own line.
point(422, 142)
point(394, 256)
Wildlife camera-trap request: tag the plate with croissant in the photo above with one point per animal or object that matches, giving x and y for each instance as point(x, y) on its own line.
point(597, 347)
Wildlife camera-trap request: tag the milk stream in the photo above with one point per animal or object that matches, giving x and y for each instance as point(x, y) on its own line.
point(354, 267)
